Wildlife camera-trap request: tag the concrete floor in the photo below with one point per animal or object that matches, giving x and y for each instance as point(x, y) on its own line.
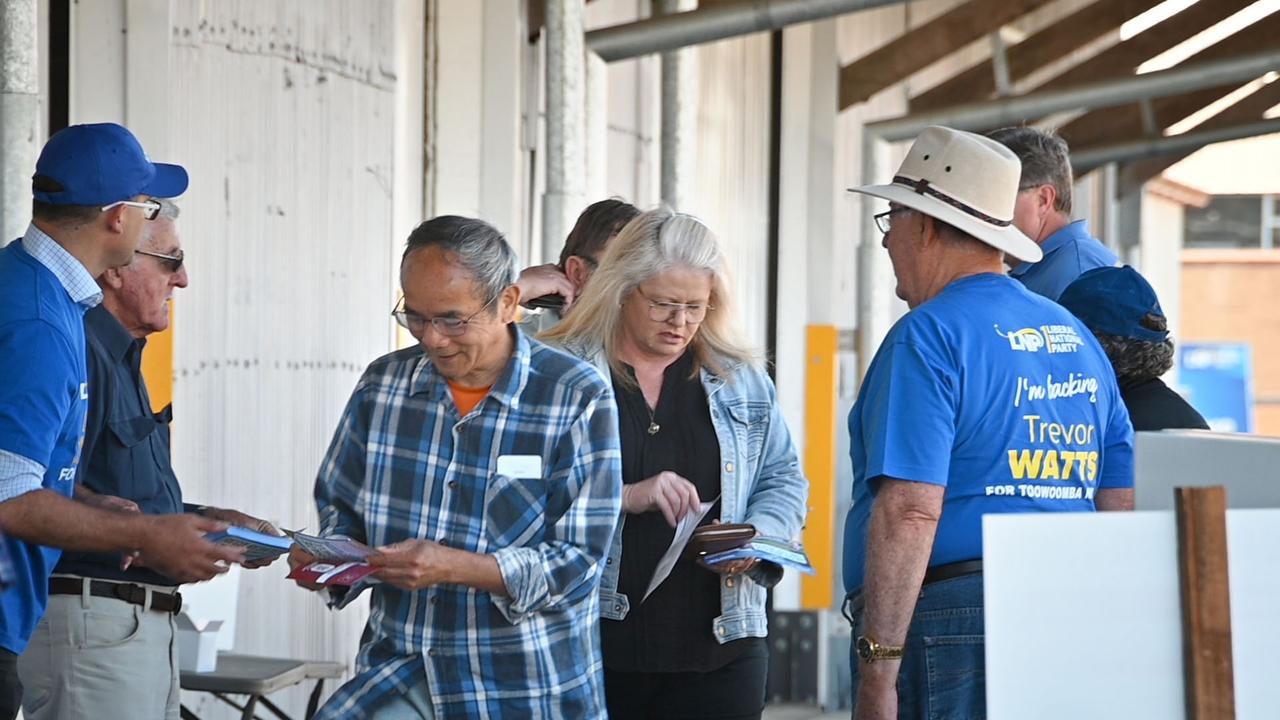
point(801, 712)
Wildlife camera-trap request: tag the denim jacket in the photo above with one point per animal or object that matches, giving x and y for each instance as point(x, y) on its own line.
point(760, 483)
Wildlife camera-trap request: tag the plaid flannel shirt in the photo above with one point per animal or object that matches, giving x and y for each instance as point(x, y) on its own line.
point(403, 465)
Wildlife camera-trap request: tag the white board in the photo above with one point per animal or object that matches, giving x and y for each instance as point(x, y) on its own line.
point(1083, 616)
point(1244, 464)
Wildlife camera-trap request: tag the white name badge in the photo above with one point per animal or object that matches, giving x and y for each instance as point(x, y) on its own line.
point(520, 466)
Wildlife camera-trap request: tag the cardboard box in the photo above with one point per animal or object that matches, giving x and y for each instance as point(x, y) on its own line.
point(197, 644)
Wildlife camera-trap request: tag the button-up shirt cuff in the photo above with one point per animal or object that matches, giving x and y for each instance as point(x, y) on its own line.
point(526, 582)
point(19, 475)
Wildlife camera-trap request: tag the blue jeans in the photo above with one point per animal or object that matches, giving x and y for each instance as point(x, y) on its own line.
point(943, 675)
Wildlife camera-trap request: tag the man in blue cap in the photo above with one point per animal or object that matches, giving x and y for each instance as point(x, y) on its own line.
point(1121, 309)
point(93, 191)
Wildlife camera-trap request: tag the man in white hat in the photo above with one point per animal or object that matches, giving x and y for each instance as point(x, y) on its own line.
point(984, 398)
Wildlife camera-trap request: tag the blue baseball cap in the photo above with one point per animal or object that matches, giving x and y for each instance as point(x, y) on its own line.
point(100, 164)
point(1113, 301)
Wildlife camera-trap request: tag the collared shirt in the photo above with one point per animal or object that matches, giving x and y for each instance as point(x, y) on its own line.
point(126, 445)
point(74, 276)
point(43, 398)
point(20, 473)
point(1068, 253)
point(403, 465)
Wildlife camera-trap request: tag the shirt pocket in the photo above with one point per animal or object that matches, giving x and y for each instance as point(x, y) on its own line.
point(515, 510)
point(750, 422)
point(133, 464)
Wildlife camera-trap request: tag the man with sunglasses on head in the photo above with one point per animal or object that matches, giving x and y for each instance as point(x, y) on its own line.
point(92, 197)
point(126, 666)
point(484, 467)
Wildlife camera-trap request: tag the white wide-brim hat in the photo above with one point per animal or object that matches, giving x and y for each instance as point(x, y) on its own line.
point(966, 180)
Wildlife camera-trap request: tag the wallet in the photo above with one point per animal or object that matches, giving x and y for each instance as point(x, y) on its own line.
point(709, 539)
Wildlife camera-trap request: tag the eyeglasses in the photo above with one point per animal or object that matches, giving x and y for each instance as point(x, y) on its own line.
point(447, 326)
point(171, 263)
point(663, 311)
point(884, 221)
point(151, 207)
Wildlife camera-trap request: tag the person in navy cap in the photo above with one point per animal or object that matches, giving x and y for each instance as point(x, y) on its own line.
point(1121, 309)
point(93, 191)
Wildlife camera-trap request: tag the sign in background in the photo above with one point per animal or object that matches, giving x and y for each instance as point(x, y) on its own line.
point(1217, 379)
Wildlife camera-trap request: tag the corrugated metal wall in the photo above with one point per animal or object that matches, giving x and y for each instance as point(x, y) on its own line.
point(283, 112)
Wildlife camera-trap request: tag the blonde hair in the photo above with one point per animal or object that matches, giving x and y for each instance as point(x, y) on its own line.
point(652, 243)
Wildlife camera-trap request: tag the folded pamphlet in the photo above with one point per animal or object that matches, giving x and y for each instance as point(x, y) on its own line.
point(334, 549)
point(257, 545)
point(321, 572)
point(772, 549)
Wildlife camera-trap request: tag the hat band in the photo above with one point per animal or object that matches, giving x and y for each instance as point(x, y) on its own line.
point(922, 187)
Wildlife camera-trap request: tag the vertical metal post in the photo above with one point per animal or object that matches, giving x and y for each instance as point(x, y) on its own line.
point(597, 133)
point(19, 113)
point(874, 273)
point(566, 108)
point(679, 118)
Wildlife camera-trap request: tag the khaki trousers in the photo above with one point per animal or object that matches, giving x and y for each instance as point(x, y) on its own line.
point(101, 658)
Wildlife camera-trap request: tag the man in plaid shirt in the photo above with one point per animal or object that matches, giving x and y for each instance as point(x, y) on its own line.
point(484, 467)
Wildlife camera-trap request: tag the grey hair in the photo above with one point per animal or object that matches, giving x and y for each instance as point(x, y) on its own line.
point(1137, 360)
point(652, 243)
point(168, 211)
point(1046, 160)
point(479, 248)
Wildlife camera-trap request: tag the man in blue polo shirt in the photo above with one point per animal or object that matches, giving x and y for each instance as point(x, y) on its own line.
point(984, 398)
point(1043, 213)
point(92, 192)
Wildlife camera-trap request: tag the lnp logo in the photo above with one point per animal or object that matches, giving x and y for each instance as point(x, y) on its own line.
point(1026, 339)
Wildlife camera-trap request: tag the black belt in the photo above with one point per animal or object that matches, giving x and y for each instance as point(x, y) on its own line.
point(937, 573)
point(128, 592)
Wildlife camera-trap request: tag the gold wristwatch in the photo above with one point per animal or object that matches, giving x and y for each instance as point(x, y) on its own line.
point(870, 651)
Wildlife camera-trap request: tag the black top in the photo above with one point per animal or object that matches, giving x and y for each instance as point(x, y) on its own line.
point(1153, 405)
point(672, 630)
point(126, 445)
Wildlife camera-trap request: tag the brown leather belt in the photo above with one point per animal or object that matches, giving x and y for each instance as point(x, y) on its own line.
point(128, 592)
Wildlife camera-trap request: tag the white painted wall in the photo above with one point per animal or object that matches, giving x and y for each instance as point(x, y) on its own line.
point(299, 121)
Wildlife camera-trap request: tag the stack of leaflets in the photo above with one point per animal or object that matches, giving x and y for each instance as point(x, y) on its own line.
point(339, 560)
point(763, 547)
point(257, 546)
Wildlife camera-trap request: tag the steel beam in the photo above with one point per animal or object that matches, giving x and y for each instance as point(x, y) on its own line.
point(996, 113)
point(1091, 158)
point(670, 32)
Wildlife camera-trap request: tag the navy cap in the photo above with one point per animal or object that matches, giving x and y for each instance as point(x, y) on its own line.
point(100, 164)
point(1112, 301)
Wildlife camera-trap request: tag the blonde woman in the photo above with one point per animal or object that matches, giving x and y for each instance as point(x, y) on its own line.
point(699, 423)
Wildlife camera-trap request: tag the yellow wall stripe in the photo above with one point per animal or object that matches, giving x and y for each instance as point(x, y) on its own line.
point(821, 342)
point(157, 364)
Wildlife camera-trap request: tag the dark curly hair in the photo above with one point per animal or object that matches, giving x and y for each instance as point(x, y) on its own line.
point(1137, 360)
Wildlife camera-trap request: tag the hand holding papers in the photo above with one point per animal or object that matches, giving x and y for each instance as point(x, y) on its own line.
point(762, 547)
point(684, 530)
point(338, 560)
point(257, 546)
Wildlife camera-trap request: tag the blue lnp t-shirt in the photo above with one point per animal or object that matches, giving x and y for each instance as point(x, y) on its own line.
point(996, 393)
point(43, 394)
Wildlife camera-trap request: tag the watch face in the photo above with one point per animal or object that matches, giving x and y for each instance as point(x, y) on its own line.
point(864, 648)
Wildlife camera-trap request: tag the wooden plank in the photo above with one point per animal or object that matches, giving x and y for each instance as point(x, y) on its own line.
point(1206, 602)
point(1125, 123)
point(918, 48)
point(1036, 51)
point(1133, 175)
